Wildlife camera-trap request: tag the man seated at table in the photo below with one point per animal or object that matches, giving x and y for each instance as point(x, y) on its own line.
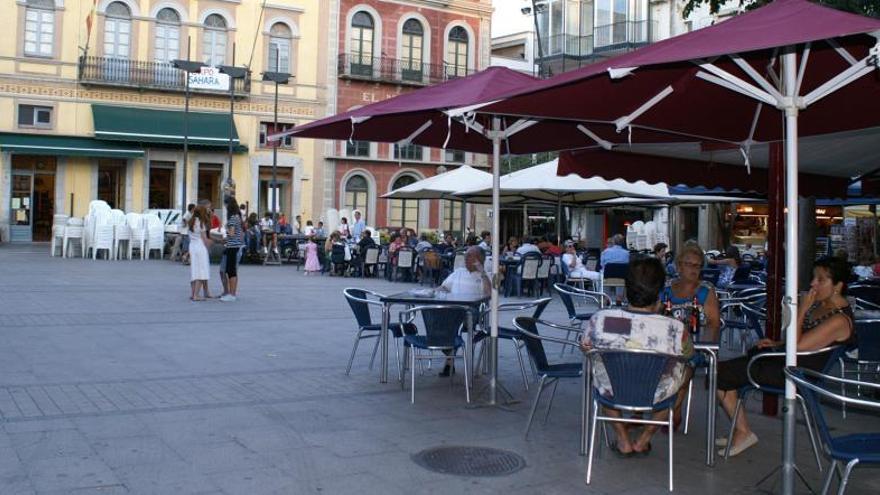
point(486, 242)
point(616, 251)
point(638, 327)
point(528, 246)
point(423, 243)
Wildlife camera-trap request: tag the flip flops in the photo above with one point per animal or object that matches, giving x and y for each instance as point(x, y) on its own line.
point(643, 453)
point(621, 455)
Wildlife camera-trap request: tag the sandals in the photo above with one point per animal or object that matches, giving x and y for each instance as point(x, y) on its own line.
point(621, 455)
point(643, 453)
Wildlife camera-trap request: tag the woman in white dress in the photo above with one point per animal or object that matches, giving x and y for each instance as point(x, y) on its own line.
point(198, 253)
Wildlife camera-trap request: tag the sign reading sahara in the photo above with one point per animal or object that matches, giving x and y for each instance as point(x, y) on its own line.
point(209, 78)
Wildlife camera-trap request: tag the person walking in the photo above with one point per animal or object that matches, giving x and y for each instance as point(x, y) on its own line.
point(234, 244)
point(198, 252)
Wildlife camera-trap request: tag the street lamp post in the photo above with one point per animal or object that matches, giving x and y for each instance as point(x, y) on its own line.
point(189, 67)
point(277, 78)
point(234, 74)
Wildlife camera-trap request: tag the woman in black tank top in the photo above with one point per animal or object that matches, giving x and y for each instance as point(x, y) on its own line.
point(824, 319)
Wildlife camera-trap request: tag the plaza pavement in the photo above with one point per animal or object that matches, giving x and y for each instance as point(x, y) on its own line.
point(112, 382)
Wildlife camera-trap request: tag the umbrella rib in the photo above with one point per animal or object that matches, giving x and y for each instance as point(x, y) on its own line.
point(592, 135)
point(851, 74)
point(803, 68)
point(842, 52)
point(738, 85)
point(625, 121)
point(748, 69)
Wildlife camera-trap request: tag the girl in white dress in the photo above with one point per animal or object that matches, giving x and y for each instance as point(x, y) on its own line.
point(198, 253)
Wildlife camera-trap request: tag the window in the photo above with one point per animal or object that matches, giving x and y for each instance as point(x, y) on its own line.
point(357, 193)
point(279, 48)
point(34, 116)
point(167, 35)
point(357, 148)
point(117, 31)
point(362, 44)
point(457, 52)
point(214, 40)
point(404, 212)
point(454, 156)
point(266, 128)
point(408, 152)
point(161, 185)
point(39, 28)
point(411, 50)
point(451, 216)
point(111, 182)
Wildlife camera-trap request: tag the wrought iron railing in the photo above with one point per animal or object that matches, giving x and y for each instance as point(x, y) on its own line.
point(398, 71)
point(141, 74)
point(632, 33)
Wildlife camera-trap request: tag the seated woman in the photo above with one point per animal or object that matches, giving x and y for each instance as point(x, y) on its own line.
point(678, 302)
point(728, 264)
point(824, 319)
point(638, 327)
point(511, 247)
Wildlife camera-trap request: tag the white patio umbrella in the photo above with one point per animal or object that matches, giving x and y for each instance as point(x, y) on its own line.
point(443, 186)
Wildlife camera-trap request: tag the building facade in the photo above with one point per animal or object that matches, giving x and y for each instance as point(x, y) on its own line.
point(386, 48)
point(93, 106)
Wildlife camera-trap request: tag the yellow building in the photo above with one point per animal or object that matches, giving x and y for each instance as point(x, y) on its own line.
point(92, 105)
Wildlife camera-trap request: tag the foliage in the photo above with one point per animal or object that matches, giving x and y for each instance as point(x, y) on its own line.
point(863, 7)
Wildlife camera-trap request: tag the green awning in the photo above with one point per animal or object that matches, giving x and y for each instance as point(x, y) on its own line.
point(50, 144)
point(162, 126)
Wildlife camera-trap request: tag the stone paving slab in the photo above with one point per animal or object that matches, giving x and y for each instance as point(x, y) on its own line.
point(112, 381)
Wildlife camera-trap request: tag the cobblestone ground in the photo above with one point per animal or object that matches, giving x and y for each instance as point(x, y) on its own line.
point(112, 381)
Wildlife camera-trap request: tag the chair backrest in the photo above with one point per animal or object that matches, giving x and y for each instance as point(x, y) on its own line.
point(337, 253)
point(530, 263)
point(710, 275)
point(742, 273)
point(371, 257)
point(59, 219)
point(75, 222)
point(534, 346)
point(615, 270)
point(431, 259)
point(404, 258)
point(592, 263)
point(564, 296)
point(154, 222)
point(868, 340)
point(361, 309)
point(870, 293)
point(458, 262)
point(634, 374)
point(117, 217)
point(443, 324)
point(544, 268)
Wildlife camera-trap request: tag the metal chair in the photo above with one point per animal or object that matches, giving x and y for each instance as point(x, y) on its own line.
point(443, 324)
point(371, 259)
point(512, 334)
point(845, 450)
point(404, 262)
point(834, 354)
point(633, 375)
point(430, 266)
point(360, 301)
point(549, 374)
point(867, 359)
point(567, 295)
point(614, 277)
point(527, 271)
point(710, 275)
point(542, 278)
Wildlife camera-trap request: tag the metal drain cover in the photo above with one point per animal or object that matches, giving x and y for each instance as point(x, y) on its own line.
point(469, 461)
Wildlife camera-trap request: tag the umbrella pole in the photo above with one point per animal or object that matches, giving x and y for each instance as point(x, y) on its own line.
point(496, 253)
point(559, 221)
point(789, 68)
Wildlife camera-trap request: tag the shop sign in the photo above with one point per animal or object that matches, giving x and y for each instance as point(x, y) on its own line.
point(209, 78)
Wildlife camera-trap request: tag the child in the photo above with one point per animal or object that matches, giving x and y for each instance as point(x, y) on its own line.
point(312, 264)
point(270, 239)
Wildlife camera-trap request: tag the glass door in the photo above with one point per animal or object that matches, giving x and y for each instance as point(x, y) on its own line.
point(21, 207)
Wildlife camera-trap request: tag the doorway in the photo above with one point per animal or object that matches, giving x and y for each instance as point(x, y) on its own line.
point(280, 194)
point(161, 185)
point(111, 183)
point(209, 183)
point(32, 199)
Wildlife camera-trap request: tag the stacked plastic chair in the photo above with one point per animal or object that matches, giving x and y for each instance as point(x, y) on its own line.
point(631, 234)
point(59, 223)
point(121, 235)
point(96, 208)
point(73, 232)
point(102, 234)
point(155, 235)
point(138, 234)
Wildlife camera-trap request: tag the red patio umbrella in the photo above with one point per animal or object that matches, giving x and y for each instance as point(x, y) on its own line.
point(722, 86)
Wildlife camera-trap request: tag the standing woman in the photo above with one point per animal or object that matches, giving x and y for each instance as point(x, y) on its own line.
point(234, 243)
point(198, 252)
point(678, 300)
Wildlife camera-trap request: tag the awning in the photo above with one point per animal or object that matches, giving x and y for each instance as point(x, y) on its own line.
point(163, 126)
point(48, 144)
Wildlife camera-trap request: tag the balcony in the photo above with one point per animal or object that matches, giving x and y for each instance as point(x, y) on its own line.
point(139, 74)
point(562, 52)
point(396, 71)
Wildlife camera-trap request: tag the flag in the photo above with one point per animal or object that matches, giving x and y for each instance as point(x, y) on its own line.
point(90, 19)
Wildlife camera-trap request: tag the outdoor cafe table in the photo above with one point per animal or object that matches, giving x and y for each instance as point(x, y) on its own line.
point(440, 297)
point(710, 350)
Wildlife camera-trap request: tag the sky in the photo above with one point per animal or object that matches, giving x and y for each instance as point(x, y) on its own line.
point(508, 18)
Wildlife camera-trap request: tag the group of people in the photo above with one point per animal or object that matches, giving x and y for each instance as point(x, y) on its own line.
point(199, 221)
point(658, 319)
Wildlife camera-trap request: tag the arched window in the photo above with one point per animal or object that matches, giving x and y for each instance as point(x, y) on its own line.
point(117, 31)
point(39, 28)
point(214, 40)
point(404, 212)
point(279, 48)
point(357, 194)
point(167, 35)
point(457, 52)
point(412, 50)
point(362, 29)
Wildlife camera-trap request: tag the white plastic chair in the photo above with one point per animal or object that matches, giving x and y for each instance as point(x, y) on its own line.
point(121, 235)
point(59, 223)
point(73, 232)
point(155, 235)
point(103, 236)
point(138, 234)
